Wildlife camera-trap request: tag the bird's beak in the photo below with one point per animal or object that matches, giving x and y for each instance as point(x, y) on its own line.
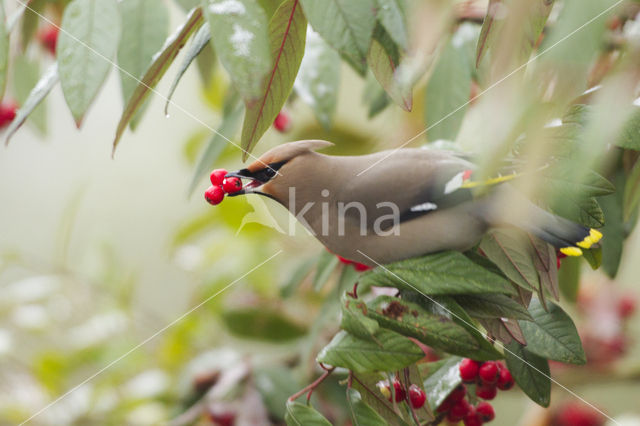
point(249, 188)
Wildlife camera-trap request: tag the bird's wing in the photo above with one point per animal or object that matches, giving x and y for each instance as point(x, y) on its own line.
point(417, 181)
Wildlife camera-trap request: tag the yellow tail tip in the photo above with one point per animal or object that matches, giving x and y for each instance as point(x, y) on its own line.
point(571, 251)
point(595, 235)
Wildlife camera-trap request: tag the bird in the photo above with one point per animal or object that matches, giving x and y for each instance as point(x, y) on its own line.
point(398, 204)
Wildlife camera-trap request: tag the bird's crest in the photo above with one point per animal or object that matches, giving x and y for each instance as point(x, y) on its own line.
point(286, 152)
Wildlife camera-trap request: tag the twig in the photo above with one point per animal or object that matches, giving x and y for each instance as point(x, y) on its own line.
point(312, 386)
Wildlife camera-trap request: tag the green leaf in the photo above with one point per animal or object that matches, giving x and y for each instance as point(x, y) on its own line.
point(583, 210)
point(361, 413)
point(287, 34)
point(4, 50)
point(374, 96)
point(319, 77)
point(614, 229)
point(275, 384)
point(326, 264)
point(493, 306)
point(262, 324)
point(206, 63)
point(391, 14)
point(484, 41)
point(592, 185)
point(503, 330)
point(365, 383)
point(30, 19)
point(145, 26)
point(25, 76)
point(593, 256)
point(410, 319)
point(303, 415)
point(354, 318)
point(437, 274)
point(393, 352)
point(569, 278)
point(447, 91)
point(87, 43)
point(347, 25)
point(530, 372)
point(631, 197)
point(215, 146)
point(444, 380)
point(156, 70)
point(552, 334)
point(534, 13)
point(199, 42)
point(37, 94)
point(630, 137)
point(447, 306)
point(383, 58)
point(511, 251)
point(239, 36)
point(546, 262)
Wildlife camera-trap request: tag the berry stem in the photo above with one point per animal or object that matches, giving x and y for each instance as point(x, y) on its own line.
point(309, 388)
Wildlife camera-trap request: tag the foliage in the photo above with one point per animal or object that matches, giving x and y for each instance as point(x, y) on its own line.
point(551, 109)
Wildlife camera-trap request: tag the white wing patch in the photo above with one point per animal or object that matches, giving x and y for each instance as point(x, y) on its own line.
point(454, 183)
point(424, 207)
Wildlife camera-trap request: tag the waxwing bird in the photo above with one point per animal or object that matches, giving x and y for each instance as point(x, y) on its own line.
point(409, 202)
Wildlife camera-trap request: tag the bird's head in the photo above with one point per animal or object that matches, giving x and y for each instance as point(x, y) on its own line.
point(278, 169)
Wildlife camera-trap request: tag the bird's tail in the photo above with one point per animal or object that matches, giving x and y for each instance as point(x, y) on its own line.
point(567, 236)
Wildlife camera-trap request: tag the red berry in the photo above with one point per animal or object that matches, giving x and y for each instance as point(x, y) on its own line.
point(231, 185)
point(217, 176)
point(472, 418)
point(577, 414)
point(469, 370)
point(488, 372)
point(505, 380)
point(214, 195)
point(486, 412)
point(445, 406)
point(223, 419)
point(417, 397)
point(626, 306)
point(7, 113)
point(459, 411)
point(398, 389)
point(282, 122)
point(458, 393)
point(49, 38)
point(487, 392)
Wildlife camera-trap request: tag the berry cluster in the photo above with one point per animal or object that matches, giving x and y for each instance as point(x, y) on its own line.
point(360, 267)
point(487, 377)
point(417, 397)
point(221, 186)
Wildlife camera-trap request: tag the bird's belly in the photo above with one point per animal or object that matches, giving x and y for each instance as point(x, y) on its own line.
point(453, 229)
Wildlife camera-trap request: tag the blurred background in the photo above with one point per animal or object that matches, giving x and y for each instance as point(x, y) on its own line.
point(100, 254)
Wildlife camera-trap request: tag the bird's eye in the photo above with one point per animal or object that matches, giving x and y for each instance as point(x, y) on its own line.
point(269, 172)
